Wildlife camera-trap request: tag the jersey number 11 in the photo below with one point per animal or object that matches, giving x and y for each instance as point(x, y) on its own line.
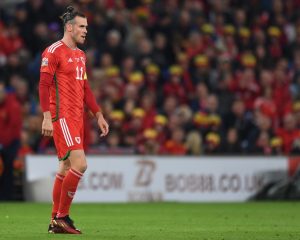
point(79, 73)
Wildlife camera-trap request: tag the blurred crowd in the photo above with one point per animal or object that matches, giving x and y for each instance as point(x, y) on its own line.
point(189, 77)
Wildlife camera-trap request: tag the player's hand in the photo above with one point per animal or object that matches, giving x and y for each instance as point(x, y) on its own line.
point(47, 127)
point(102, 125)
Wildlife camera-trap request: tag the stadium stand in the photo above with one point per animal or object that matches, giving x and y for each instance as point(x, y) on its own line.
point(174, 77)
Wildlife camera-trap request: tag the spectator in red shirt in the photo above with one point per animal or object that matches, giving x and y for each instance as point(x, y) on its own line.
point(174, 85)
point(281, 91)
point(266, 105)
point(289, 133)
point(184, 63)
point(160, 122)
point(149, 144)
point(175, 145)
point(148, 105)
point(23, 151)
point(10, 131)
point(246, 88)
point(152, 77)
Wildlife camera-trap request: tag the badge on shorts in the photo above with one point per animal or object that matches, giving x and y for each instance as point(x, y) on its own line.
point(77, 139)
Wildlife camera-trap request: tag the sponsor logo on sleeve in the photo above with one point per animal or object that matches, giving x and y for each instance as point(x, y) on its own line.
point(44, 62)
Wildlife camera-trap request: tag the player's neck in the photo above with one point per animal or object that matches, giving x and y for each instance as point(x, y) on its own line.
point(69, 42)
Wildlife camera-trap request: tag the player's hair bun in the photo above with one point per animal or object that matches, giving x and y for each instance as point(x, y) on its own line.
point(68, 14)
point(70, 9)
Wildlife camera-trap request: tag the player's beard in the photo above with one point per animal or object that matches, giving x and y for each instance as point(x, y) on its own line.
point(78, 39)
point(80, 42)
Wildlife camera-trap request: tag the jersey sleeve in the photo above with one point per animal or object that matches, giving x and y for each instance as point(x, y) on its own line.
point(49, 62)
point(90, 99)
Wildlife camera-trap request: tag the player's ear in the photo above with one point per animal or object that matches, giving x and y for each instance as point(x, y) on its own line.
point(69, 27)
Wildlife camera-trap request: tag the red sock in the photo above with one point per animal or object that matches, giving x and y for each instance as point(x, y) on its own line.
point(56, 193)
point(68, 190)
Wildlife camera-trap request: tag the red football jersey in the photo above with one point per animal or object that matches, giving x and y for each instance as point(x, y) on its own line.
point(67, 65)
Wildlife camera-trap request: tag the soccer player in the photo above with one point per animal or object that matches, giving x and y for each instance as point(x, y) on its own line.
point(63, 90)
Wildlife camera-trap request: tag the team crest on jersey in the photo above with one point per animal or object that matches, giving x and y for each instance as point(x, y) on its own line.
point(44, 62)
point(77, 139)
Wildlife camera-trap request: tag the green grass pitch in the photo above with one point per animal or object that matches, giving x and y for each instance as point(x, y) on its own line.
point(154, 221)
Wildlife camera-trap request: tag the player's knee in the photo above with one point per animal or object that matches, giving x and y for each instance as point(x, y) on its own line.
point(67, 167)
point(83, 167)
point(78, 161)
point(80, 166)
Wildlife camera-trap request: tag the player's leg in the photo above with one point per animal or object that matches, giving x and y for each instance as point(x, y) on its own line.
point(70, 183)
point(64, 166)
point(69, 187)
